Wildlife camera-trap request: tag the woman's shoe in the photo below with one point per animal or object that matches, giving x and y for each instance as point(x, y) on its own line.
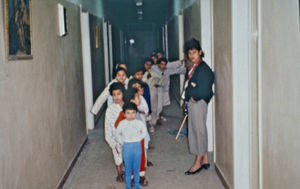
point(206, 166)
point(195, 172)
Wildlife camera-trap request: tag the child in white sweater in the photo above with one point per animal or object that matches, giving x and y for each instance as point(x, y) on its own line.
point(129, 134)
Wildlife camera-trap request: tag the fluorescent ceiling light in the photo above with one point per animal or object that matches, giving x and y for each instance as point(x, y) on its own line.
point(139, 3)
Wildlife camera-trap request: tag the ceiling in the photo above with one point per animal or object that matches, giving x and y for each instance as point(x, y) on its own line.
point(124, 12)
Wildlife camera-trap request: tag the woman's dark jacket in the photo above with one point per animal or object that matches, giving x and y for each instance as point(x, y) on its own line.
point(200, 84)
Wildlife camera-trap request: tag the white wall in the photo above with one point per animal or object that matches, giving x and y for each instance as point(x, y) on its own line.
point(279, 93)
point(42, 122)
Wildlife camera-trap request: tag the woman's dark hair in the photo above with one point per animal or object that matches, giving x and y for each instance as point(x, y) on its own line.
point(119, 69)
point(148, 60)
point(129, 106)
point(130, 94)
point(116, 86)
point(162, 59)
point(192, 44)
point(134, 81)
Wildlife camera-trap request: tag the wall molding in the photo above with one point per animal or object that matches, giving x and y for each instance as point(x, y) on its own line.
point(71, 165)
point(222, 177)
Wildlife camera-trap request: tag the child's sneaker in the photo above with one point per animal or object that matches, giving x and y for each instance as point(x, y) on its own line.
point(151, 129)
point(163, 119)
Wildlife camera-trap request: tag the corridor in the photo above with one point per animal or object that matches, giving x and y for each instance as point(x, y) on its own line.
point(57, 56)
point(171, 158)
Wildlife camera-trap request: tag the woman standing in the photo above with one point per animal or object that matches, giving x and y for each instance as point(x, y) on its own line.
point(198, 94)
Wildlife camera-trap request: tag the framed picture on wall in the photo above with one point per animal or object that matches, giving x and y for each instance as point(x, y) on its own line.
point(18, 38)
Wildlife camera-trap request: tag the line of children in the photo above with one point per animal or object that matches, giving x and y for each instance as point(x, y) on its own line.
point(146, 90)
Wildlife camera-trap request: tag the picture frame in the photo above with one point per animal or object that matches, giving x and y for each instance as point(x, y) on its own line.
point(18, 29)
point(97, 37)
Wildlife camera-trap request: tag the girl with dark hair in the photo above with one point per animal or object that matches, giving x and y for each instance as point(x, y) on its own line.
point(117, 91)
point(120, 76)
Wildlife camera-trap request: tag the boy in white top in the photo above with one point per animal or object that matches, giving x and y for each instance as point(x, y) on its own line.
point(166, 71)
point(129, 134)
point(117, 91)
point(154, 80)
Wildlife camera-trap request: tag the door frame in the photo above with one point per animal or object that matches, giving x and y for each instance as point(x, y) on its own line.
point(87, 69)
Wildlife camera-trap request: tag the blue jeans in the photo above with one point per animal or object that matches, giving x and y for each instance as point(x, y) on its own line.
point(132, 152)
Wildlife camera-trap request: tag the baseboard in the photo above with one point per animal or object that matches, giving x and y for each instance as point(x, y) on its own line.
point(70, 167)
point(222, 178)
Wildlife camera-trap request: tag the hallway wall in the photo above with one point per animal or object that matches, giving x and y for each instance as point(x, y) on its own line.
point(42, 123)
point(223, 88)
point(280, 92)
point(192, 23)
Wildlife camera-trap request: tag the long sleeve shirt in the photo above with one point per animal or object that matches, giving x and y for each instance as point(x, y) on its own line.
point(111, 117)
point(172, 70)
point(143, 107)
point(131, 131)
point(200, 84)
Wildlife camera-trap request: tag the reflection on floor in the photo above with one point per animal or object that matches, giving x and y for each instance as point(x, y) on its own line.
point(95, 168)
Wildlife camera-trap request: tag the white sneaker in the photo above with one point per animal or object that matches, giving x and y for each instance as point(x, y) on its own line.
point(151, 129)
point(163, 119)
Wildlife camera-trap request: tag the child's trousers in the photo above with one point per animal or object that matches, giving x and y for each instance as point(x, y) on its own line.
point(132, 152)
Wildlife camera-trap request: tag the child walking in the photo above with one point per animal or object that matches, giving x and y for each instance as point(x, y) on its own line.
point(129, 134)
point(117, 92)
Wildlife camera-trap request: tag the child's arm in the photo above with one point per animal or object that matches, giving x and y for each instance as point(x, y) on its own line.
point(101, 99)
point(119, 135)
point(174, 64)
point(143, 128)
point(108, 129)
point(177, 70)
point(143, 107)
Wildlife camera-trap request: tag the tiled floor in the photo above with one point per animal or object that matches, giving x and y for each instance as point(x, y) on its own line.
point(95, 167)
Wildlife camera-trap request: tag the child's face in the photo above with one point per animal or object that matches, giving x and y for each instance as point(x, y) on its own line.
point(138, 75)
point(162, 65)
point(147, 65)
point(121, 76)
point(117, 96)
point(136, 99)
point(194, 55)
point(154, 59)
point(139, 88)
point(130, 114)
point(159, 55)
point(141, 91)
